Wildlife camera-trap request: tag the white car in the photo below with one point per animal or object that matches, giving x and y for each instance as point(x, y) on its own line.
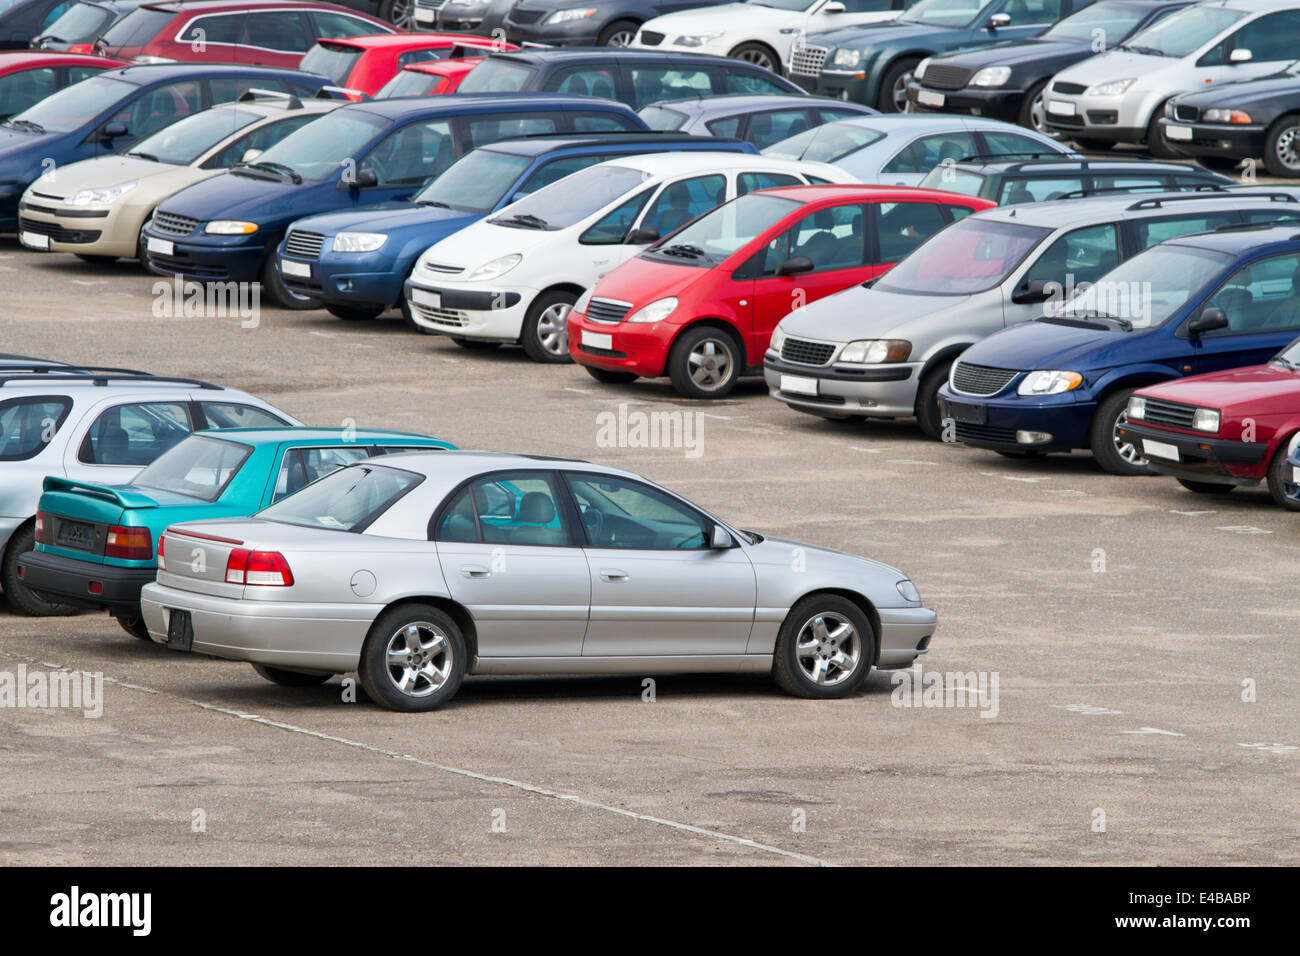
point(515, 276)
point(759, 31)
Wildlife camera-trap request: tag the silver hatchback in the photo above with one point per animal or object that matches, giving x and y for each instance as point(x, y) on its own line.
point(424, 568)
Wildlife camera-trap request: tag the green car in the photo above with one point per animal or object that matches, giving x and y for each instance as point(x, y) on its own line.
point(95, 544)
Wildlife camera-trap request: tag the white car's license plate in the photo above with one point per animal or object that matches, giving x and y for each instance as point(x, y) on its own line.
point(164, 247)
point(1160, 449)
point(926, 98)
point(34, 240)
point(1183, 133)
point(597, 340)
point(799, 384)
point(431, 300)
point(1295, 475)
point(300, 269)
point(1060, 108)
point(423, 16)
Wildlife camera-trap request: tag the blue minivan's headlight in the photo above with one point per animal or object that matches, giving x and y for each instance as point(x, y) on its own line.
point(230, 227)
point(1049, 382)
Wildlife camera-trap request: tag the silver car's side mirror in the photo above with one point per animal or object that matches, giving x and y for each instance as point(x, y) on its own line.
point(1240, 56)
point(999, 20)
point(721, 538)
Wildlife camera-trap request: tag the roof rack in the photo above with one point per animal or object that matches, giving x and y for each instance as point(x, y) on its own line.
point(46, 367)
point(983, 158)
point(324, 93)
point(1246, 226)
point(254, 93)
point(1216, 193)
point(103, 379)
point(1082, 161)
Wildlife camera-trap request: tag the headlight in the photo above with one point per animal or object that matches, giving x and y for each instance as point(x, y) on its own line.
point(778, 338)
point(656, 311)
point(1206, 420)
point(1226, 116)
point(1049, 383)
point(1171, 109)
point(1137, 408)
point(1112, 88)
point(697, 39)
point(101, 197)
point(875, 351)
point(846, 59)
point(230, 227)
point(359, 241)
point(497, 267)
point(908, 590)
point(919, 71)
point(991, 76)
point(584, 300)
point(564, 16)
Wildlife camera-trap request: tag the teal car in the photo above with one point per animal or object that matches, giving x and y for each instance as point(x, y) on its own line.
point(96, 544)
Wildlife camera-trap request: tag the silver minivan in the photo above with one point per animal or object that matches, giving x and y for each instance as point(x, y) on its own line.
point(884, 349)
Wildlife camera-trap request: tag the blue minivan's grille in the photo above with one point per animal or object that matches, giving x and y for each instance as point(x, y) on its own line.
point(981, 379)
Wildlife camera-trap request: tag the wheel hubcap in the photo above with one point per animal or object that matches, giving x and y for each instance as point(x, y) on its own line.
point(621, 38)
point(710, 364)
point(418, 659)
point(553, 329)
point(1126, 449)
point(1288, 148)
point(403, 15)
point(900, 92)
point(1038, 114)
point(828, 648)
point(758, 58)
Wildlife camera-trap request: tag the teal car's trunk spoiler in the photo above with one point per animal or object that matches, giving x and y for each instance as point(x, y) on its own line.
point(123, 496)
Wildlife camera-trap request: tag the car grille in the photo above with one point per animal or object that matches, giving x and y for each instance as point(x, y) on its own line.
point(172, 225)
point(806, 353)
point(808, 60)
point(524, 16)
point(40, 195)
point(443, 268)
point(985, 433)
point(305, 245)
point(943, 77)
point(981, 379)
point(1173, 414)
point(430, 4)
point(449, 318)
point(651, 38)
point(1068, 89)
point(57, 232)
point(1188, 114)
point(173, 266)
point(607, 310)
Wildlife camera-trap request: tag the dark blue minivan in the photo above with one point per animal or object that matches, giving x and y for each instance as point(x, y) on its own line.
point(356, 261)
point(227, 228)
point(1194, 304)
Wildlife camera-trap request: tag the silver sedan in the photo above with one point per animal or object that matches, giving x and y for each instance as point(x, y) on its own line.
point(428, 567)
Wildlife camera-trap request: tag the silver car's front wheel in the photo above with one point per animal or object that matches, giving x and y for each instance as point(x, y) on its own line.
point(414, 658)
point(825, 648)
point(828, 648)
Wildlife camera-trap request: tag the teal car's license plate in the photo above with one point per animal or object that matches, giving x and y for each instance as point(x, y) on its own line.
point(75, 534)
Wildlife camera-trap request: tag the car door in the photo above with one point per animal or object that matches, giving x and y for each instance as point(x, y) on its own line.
point(123, 437)
point(405, 159)
point(508, 553)
point(604, 244)
point(657, 588)
point(1262, 303)
point(275, 38)
point(1079, 256)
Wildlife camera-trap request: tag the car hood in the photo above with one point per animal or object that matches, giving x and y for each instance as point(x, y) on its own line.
point(722, 19)
point(1117, 65)
point(389, 216)
point(866, 36)
point(777, 551)
point(15, 144)
point(236, 196)
point(642, 281)
point(1275, 88)
point(1051, 344)
point(1238, 388)
point(104, 171)
point(858, 313)
point(1016, 52)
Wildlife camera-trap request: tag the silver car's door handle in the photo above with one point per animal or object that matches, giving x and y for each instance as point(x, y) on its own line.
point(474, 571)
point(613, 575)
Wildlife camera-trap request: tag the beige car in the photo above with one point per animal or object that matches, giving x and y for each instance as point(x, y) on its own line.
point(97, 207)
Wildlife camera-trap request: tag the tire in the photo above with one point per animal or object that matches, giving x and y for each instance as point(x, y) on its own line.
point(437, 635)
point(475, 345)
point(1282, 147)
point(1220, 164)
point(759, 54)
point(895, 78)
point(1033, 109)
point(1103, 440)
point(927, 401)
point(802, 647)
point(1206, 487)
point(1155, 139)
point(20, 598)
point(279, 293)
point(350, 314)
point(278, 675)
point(95, 260)
point(1096, 145)
point(1286, 493)
point(400, 13)
point(611, 378)
point(134, 625)
point(705, 362)
point(545, 335)
point(618, 33)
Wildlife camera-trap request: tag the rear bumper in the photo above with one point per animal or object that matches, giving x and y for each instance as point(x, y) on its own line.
point(1202, 459)
point(70, 580)
point(905, 634)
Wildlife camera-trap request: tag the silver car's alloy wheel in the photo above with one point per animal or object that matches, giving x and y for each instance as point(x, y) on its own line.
point(1287, 148)
point(1124, 448)
point(553, 328)
point(418, 658)
point(1038, 115)
point(900, 92)
point(621, 38)
point(828, 648)
point(710, 364)
point(402, 14)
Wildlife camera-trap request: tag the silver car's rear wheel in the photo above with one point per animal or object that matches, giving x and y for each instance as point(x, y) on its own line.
point(826, 648)
point(418, 659)
point(413, 659)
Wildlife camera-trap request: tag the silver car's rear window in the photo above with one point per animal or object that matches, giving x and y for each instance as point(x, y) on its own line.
point(349, 499)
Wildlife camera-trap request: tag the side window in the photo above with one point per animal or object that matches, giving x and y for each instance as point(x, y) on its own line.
point(929, 151)
point(20, 90)
point(234, 415)
point(1131, 183)
point(1085, 254)
point(1150, 231)
point(263, 138)
point(618, 513)
point(1270, 215)
point(584, 122)
point(203, 30)
point(832, 115)
point(583, 81)
point(1261, 297)
point(330, 25)
point(1269, 38)
point(1001, 143)
point(490, 129)
point(280, 30)
point(56, 11)
point(519, 509)
point(302, 466)
point(958, 212)
point(748, 182)
point(557, 169)
point(153, 110)
point(682, 201)
point(902, 226)
point(868, 6)
point(612, 228)
point(725, 127)
point(653, 84)
point(412, 154)
point(227, 89)
point(28, 424)
point(1026, 12)
point(1037, 189)
point(134, 434)
point(78, 73)
point(832, 238)
point(747, 82)
point(768, 128)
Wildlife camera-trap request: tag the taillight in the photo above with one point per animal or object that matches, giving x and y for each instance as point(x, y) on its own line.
point(80, 48)
point(42, 521)
point(131, 544)
point(266, 568)
point(162, 563)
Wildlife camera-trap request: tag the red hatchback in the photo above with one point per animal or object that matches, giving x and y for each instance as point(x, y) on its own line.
point(232, 31)
point(26, 78)
point(366, 63)
point(701, 304)
point(434, 77)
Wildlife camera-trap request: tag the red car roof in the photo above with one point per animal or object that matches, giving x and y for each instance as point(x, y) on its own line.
point(412, 41)
point(15, 61)
point(839, 191)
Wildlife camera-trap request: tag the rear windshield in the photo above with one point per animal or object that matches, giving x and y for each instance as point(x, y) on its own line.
point(137, 28)
point(197, 467)
point(349, 499)
point(333, 60)
point(496, 76)
point(658, 117)
point(825, 144)
point(408, 83)
point(80, 23)
point(27, 424)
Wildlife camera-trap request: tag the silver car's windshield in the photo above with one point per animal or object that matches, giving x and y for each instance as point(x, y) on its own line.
point(474, 183)
point(198, 467)
point(825, 144)
point(946, 13)
point(184, 141)
point(573, 198)
point(349, 499)
point(1183, 32)
point(1149, 288)
point(969, 256)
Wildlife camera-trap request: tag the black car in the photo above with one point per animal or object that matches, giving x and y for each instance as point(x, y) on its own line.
point(1223, 125)
point(81, 24)
point(587, 22)
point(1006, 80)
point(1037, 180)
point(20, 20)
point(635, 77)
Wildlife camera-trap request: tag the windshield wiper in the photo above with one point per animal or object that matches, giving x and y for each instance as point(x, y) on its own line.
point(527, 220)
point(1285, 363)
point(432, 202)
point(1147, 50)
point(24, 124)
point(278, 169)
point(149, 156)
point(683, 250)
point(1125, 324)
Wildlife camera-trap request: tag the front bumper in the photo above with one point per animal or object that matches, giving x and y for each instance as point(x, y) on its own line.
point(313, 637)
point(1112, 118)
point(994, 102)
point(494, 315)
point(853, 87)
point(1214, 139)
point(363, 279)
point(1200, 458)
point(206, 258)
point(636, 347)
point(905, 634)
point(877, 391)
point(70, 580)
point(572, 33)
point(1066, 417)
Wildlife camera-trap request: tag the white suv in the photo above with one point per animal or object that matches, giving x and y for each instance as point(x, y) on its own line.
point(98, 425)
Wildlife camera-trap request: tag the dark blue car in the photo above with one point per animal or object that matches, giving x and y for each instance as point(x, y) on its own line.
point(108, 112)
point(227, 228)
point(356, 262)
point(1199, 303)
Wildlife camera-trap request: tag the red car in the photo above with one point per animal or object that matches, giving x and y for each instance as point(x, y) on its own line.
point(232, 31)
point(366, 63)
point(27, 77)
point(1218, 431)
point(434, 77)
point(701, 304)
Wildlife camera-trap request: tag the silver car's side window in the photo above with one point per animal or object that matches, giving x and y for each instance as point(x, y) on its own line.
point(28, 424)
point(518, 508)
point(618, 513)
